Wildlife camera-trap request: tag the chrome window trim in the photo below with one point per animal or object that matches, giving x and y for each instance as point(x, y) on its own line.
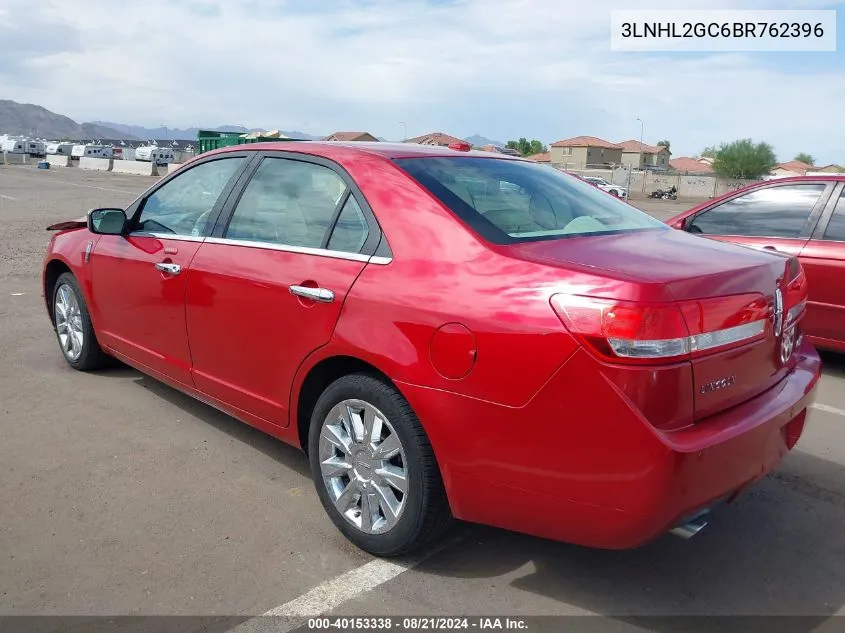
point(301, 250)
point(168, 236)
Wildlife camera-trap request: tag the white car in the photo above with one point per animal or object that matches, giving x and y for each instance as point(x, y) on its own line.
point(617, 190)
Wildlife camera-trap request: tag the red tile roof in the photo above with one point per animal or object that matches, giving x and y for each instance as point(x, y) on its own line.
point(636, 146)
point(685, 163)
point(795, 166)
point(435, 138)
point(350, 136)
point(545, 157)
point(586, 141)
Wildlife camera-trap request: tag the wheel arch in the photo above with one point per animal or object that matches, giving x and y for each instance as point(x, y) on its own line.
point(317, 378)
point(54, 269)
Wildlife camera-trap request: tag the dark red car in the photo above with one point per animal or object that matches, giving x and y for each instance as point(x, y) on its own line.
point(449, 334)
point(803, 217)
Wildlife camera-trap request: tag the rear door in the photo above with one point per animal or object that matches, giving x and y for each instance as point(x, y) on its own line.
point(267, 288)
point(778, 217)
point(823, 258)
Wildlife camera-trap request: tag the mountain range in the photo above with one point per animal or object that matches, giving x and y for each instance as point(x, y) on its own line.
point(33, 120)
point(27, 119)
point(137, 131)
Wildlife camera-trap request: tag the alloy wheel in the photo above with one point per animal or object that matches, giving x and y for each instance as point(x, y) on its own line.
point(363, 466)
point(69, 325)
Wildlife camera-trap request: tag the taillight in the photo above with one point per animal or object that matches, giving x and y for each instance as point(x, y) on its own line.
point(627, 331)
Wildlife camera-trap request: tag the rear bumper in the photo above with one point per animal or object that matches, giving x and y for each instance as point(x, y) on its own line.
point(578, 464)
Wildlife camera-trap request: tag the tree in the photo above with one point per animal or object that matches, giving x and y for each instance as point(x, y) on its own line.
point(709, 152)
point(744, 159)
point(526, 147)
point(665, 144)
point(804, 157)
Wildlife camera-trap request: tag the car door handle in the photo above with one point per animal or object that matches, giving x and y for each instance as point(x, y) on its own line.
point(323, 295)
point(769, 248)
point(167, 267)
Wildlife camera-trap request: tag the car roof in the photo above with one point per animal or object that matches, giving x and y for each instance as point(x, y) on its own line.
point(341, 149)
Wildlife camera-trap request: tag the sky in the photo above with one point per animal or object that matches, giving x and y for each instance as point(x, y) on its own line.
point(500, 68)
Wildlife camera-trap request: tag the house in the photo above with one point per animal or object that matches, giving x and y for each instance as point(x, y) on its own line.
point(829, 169)
point(435, 138)
point(687, 165)
point(499, 150)
point(351, 136)
point(791, 168)
point(544, 158)
point(641, 156)
point(583, 151)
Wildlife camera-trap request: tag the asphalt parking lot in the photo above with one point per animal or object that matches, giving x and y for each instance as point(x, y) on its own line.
point(119, 495)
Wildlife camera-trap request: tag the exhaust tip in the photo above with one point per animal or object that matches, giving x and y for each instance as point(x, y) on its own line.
point(692, 527)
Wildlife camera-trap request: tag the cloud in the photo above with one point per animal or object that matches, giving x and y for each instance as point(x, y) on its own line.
point(502, 68)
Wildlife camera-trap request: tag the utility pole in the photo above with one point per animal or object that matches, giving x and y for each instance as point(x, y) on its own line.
point(405, 130)
point(640, 154)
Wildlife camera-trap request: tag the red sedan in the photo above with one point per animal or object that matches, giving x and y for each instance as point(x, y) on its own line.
point(448, 333)
point(803, 217)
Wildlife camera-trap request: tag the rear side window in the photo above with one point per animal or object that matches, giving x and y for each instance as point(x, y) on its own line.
point(287, 202)
point(768, 212)
point(351, 230)
point(510, 201)
point(835, 231)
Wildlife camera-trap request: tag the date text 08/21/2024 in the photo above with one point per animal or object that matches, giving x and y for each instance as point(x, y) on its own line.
point(415, 623)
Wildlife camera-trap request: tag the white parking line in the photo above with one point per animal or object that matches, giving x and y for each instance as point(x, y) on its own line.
point(7, 197)
point(828, 409)
point(333, 593)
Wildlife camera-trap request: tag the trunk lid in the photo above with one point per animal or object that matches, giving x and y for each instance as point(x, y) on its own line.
point(715, 283)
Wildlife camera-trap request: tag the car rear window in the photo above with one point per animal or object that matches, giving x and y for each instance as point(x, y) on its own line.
point(511, 201)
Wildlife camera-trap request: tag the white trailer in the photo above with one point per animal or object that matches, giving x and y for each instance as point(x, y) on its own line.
point(60, 149)
point(154, 154)
point(91, 151)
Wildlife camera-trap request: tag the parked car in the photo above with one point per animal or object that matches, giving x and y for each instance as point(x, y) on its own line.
point(617, 190)
point(529, 353)
point(801, 216)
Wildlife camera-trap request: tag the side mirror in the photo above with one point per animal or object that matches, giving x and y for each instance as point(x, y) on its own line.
point(107, 221)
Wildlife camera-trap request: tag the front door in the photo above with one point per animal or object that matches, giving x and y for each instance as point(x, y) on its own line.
point(139, 279)
point(269, 291)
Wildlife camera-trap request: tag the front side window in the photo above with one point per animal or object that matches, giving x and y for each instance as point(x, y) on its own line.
point(183, 205)
point(835, 231)
point(767, 212)
point(287, 202)
point(511, 201)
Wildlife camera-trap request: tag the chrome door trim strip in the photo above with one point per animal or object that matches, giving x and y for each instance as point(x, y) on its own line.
point(167, 236)
point(302, 250)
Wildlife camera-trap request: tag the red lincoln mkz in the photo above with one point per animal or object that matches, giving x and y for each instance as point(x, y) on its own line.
point(450, 334)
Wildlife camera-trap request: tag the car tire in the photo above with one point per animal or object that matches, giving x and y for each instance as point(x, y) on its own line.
point(73, 327)
point(423, 513)
point(614, 193)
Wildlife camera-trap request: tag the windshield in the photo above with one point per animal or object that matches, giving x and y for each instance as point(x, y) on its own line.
point(511, 201)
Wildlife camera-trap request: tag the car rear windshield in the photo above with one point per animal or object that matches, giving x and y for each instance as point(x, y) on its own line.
point(511, 201)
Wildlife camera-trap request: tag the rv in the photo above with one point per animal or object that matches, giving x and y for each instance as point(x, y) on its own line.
point(14, 145)
point(91, 151)
point(60, 149)
point(154, 154)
